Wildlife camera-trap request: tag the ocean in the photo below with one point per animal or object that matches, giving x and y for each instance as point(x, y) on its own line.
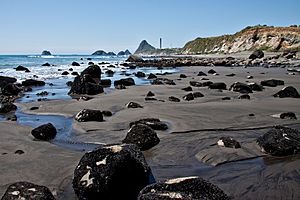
point(52, 75)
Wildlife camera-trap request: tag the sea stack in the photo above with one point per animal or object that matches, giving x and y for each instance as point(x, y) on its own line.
point(46, 53)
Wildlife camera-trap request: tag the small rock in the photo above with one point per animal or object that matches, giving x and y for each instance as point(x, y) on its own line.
point(87, 115)
point(211, 71)
point(244, 96)
point(174, 99)
point(143, 136)
point(152, 76)
point(288, 115)
point(197, 94)
point(140, 74)
point(226, 98)
point(107, 113)
point(153, 123)
point(219, 85)
point(46, 65)
point(26, 190)
point(7, 107)
point(188, 97)
point(202, 74)
point(182, 76)
point(133, 105)
point(228, 142)
point(44, 132)
point(196, 84)
point(75, 64)
point(150, 94)
point(272, 83)
point(65, 73)
point(188, 89)
point(240, 87)
point(34, 108)
point(287, 92)
point(19, 152)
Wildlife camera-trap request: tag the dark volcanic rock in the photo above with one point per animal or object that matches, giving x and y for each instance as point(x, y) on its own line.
point(287, 92)
point(228, 142)
point(65, 73)
point(125, 82)
point(143, 136)
point(74, 74)
point(182, 76)
point(188, 89)
point(140, 74)
point(280, 141)
point(107, 113)
point(196, 84)
point(211, 71)
point(187, 188)
point(197, 94)
point(272, 83)
point(105, 82)
point(174, 99)
point(21, 68)
point(46, 65)
point(207, 83)
point(75, 64)
point(134, 58)
point(32, 82)
point(288, 115)
point(111, 172)
point(188, 97)
point(219, 85)
point(4, 80)
point(11, 89)
point(244, 96)
point(87, 115)
point(110, 73)
point(94, 71)
point(152, 76)
point(240, 87)
point(85, 84)
point(150, 94)
point(256, 54)
point(46, 53)
point(201, 74)
point(153, 123)
point(44, 132)
point(7, 107)
point(255, 87)
point(133, 105)
point(26, 190)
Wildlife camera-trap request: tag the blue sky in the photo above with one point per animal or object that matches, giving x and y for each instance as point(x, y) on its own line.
point(83, 26)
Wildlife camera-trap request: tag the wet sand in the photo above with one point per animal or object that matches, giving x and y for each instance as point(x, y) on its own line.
point(186, 148)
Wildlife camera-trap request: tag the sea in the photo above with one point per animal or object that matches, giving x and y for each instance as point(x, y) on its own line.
point(52, 75)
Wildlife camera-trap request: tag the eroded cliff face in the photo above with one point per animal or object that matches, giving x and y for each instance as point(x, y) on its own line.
point(264, 38)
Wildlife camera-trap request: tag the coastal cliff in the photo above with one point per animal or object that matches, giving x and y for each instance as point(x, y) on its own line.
point(266, 38)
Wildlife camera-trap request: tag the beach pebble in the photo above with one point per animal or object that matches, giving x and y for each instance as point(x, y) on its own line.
point(27, 190)
point(289, 91)
point(187, 188)
point(143, 136)
point(153, 123)
point(111, 172)
point(228, 142)
point(288, 115)
point(44, 132)
point(280, 141)
point(87, 115)
point(133, 105)
point(174, 99)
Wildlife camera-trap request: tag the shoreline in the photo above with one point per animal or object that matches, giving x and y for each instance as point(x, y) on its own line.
point(184, 154)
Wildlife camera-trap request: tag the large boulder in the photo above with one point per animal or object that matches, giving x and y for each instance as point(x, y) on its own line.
point(272, 82)
point(257, 54)
point(33, 83)
point(85, 84)
point(280, 141)
point(11, 89)
point(125, 82)
point(26, 190)
point(143, 136)
point(188, 188)
point(287, 92)
point(87, 115)
point(7, 107)
point(4, 80)
point(134, 58)
point(44, 132)
point(111, 172)
point(94, 71)
point(154, 123)
point(218, 85)
point(240, 87)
